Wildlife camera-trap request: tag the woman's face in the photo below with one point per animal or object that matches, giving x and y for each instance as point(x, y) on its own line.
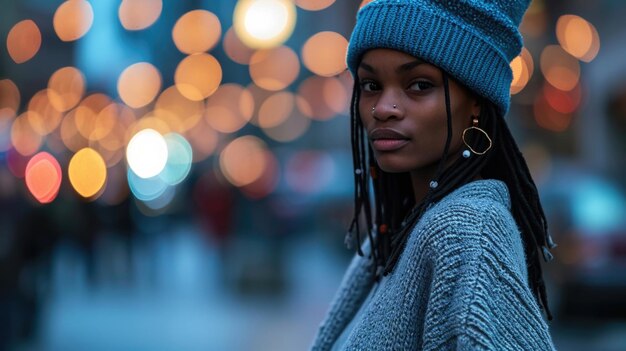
point(408, 128)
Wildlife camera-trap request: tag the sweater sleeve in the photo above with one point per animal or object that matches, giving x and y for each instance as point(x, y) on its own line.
point(479, 296)
point(353, 289)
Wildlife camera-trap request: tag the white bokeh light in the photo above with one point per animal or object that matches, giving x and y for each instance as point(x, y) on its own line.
point(147, 153)
point(264, 23)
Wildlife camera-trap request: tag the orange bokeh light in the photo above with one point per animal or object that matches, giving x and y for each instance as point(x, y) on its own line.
point(45, 117)
point(559, 68)
point(139, 14)
point(197, 31)
point(198, 76)
point(522, 67)
point(314, 5)
point(24, 137)
point(274, 69)
point(65, 88)
point(73, 19)
point(325, 53)
point(139, 84)
point(23, 41)
point(243, 160)
point(321, 105)
point(229, 109)
point(578, 37)
point(276, 109)
point(177, 111)
point(235, 49)
point(9, 95)
point(43, 177)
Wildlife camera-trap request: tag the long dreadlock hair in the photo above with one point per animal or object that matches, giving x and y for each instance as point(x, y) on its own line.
point(395, 210)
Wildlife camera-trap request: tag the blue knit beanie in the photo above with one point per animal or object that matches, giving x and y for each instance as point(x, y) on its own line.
point(474, 41)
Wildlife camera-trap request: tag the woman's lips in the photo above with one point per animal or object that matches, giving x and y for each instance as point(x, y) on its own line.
point(386, 139)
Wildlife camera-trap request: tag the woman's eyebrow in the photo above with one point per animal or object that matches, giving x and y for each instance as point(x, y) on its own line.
point(367, 67)
point(409, 66)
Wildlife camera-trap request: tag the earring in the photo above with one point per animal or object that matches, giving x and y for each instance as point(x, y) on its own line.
point(466, 153)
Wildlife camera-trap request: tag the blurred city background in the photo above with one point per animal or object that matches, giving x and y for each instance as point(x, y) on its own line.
point(176, 175)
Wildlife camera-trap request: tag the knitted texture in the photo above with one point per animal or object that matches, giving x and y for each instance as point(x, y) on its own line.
point(472, 40)
point(460, 284)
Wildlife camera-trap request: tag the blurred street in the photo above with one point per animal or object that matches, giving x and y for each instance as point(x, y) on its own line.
point(177, 175)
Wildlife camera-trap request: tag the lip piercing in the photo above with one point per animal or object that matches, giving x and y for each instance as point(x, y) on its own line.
point(394, 106)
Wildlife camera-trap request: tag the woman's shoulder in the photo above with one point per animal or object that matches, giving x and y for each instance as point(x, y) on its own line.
point(476, 214)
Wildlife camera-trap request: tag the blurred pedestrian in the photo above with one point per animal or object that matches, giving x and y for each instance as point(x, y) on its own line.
point(456, 230)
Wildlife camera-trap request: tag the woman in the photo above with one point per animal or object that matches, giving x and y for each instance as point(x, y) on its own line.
point(454, 236)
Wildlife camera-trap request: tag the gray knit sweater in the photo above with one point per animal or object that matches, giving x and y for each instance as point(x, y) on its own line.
point(460, 284)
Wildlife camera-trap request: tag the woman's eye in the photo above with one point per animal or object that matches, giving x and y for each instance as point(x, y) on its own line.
point(420, 85)
point(369, 86)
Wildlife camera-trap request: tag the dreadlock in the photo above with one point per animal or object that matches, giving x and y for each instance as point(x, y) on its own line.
point(396, 212)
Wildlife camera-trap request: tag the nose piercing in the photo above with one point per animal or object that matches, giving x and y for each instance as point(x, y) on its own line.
point(373, 109)
point(394, 106)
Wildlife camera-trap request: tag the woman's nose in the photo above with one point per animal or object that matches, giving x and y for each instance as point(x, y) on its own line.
point(386, 109)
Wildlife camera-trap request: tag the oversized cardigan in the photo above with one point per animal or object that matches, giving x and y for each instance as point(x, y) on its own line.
point(460, 284)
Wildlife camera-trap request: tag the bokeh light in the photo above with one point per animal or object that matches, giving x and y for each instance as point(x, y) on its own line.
point(294, 126)
point(243, 160)
point(177, 111)
point(146, 189)
point(146, 153)
point(198, 76)
point(179, 158)
point(139, 84)
point(562, 101)
point(203, 139)
point(73, 19)
point(578, 37)
point(197, 31)
point(229, 109)
point(87, 172)
point(43, 177)
point(159, 204)
point(559, 68)
point(23, 41)
point(71, 137)
point(324, 97)
point(549, 118)
point(325, 53)
point(522, 67)
point(264, 23)
point(24, 137)
point(235, 49)
point(274, 69)
point(314, 5)
point(276, 109)
point(44, 117)
point(9, 95)
point(139, 14)
point(65, 88)
point(267, 182)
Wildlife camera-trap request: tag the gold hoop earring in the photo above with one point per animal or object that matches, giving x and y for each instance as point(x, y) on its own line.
point(475, 127)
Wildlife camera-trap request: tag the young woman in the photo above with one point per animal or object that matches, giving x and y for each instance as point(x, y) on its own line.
point(455, 232)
